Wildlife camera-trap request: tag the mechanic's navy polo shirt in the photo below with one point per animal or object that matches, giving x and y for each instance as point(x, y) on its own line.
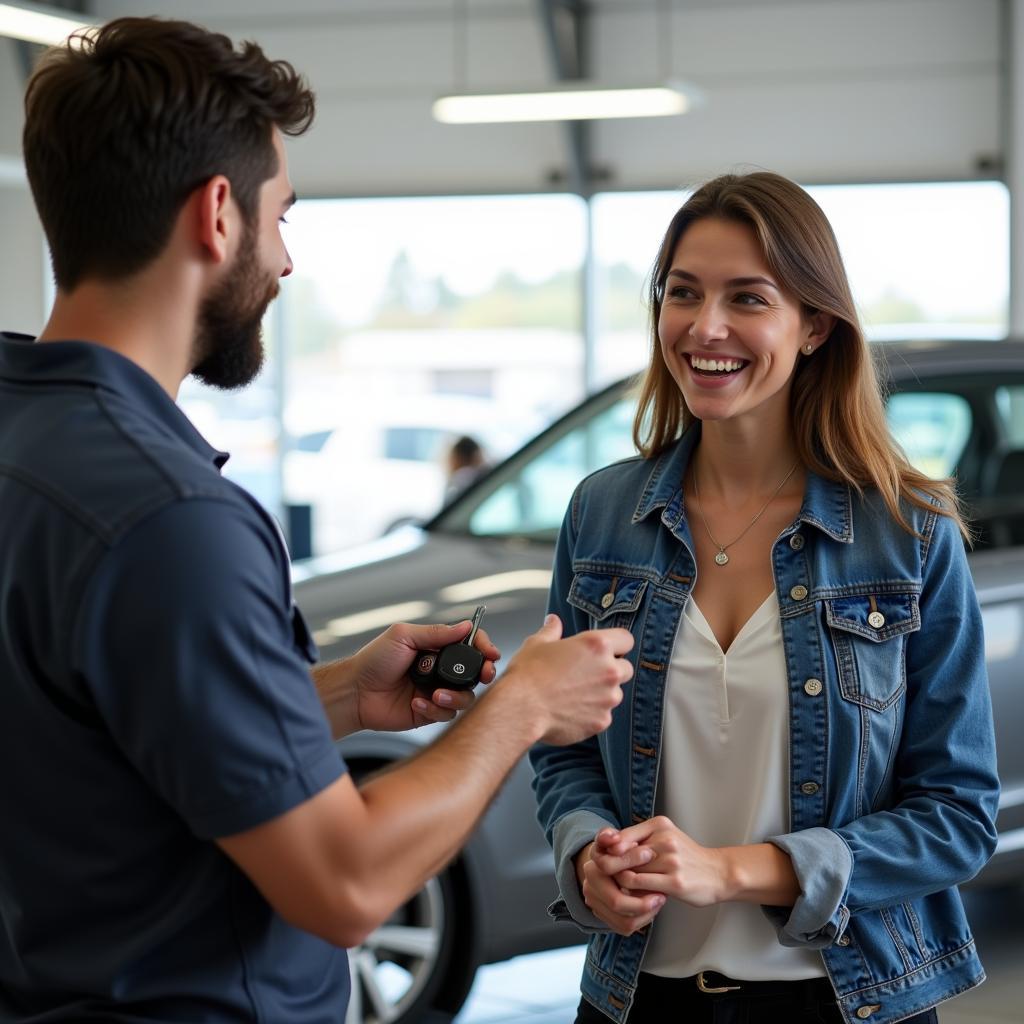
point(154, 695)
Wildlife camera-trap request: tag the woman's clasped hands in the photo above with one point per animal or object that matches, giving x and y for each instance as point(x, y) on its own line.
point(627, 875)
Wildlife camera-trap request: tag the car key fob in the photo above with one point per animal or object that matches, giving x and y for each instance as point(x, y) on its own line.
point(422, 671)
point(455, 667)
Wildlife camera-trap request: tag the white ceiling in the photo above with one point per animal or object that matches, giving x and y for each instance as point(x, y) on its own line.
point(822, 90)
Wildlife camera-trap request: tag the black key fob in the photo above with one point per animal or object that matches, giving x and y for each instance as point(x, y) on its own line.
point(458, 667)
point(455, 667)
point(422, 671)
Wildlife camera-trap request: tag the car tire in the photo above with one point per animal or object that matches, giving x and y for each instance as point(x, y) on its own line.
point(418, 967)
point(400, 970)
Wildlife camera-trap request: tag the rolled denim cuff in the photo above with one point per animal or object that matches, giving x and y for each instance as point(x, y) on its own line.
point(570, 834)
point(823, 865)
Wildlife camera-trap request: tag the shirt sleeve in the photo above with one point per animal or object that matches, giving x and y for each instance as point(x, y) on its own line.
point(186, 640)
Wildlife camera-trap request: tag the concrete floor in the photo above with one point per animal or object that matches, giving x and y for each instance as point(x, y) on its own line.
point(544, 988)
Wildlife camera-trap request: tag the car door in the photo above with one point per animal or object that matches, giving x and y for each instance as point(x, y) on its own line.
point(971, 427)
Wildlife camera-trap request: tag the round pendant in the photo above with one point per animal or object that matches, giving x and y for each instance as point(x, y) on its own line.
point(721, 558)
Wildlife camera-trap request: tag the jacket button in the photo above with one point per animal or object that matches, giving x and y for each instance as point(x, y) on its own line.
point(798, 593)
point(809, 788)
point(607, 600)
point(796, 542)
point(876, 619)
point(843, 940)
point(866, 1011)
point(812, 687)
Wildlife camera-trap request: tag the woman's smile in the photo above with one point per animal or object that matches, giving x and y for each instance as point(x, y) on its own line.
point(730, 335)
point(715, 371)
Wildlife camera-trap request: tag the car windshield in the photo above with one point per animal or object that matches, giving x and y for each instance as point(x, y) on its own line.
point(526, 496)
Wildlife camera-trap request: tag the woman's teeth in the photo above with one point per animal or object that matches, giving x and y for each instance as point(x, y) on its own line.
point(716, 365)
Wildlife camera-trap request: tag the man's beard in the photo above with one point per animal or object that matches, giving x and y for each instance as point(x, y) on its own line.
point(229, 337)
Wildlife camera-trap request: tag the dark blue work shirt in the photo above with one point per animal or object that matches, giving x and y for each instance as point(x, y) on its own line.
point(154, 695)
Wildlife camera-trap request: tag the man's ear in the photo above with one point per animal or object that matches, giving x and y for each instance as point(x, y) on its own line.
point(218, 217)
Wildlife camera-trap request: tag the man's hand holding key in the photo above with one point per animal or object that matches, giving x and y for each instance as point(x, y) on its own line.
point(577, 681)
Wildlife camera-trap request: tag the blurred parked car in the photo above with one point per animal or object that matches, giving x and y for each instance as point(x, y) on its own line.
point(956, 407)
point(384, 465)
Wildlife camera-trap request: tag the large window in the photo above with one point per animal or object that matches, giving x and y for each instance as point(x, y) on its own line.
point(411, 323)
point(926, 259)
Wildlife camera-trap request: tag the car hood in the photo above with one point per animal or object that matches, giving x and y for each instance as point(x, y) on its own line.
point(422, 576)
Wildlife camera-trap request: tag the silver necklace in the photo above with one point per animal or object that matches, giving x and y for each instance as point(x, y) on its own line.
point(722, 558)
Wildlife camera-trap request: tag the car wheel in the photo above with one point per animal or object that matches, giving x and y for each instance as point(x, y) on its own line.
point(400, 968)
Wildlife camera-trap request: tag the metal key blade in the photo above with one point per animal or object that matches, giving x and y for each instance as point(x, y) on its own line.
point(477, 616)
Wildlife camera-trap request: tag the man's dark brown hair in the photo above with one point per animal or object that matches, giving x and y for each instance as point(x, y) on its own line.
point(124, 122)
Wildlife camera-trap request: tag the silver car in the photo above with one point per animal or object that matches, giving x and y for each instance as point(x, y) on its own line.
point(956, 408)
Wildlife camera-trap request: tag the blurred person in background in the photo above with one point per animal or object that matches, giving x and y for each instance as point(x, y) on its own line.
point(465, 463)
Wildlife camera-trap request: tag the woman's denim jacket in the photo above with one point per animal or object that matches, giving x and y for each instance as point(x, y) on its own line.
point(893, 788)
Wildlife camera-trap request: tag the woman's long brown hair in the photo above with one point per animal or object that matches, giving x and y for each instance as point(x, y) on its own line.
point(837, 409)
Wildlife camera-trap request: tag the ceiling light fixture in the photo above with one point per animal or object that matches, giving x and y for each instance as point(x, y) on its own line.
point(573, 101)
point(35, 23)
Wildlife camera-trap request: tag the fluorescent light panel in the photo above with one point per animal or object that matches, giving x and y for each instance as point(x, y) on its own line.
point(566, 103)
point(35, 23)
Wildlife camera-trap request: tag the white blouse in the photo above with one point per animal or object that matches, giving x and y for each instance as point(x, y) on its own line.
point(724, 781)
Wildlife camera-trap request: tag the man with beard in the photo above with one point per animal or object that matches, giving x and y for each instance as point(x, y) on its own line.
point(229, 336)
point(180, 839)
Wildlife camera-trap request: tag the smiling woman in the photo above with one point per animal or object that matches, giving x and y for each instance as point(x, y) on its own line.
point(730, 336)
point(749, 833)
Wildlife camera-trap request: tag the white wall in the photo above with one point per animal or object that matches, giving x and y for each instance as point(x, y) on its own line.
point(22, 278)
point(892, 89)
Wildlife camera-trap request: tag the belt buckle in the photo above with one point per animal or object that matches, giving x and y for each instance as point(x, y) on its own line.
point(705, 987)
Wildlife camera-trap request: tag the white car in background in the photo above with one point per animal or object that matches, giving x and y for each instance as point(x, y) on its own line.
point(384, 466)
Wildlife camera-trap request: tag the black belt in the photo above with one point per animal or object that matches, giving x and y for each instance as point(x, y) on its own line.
point(713, 985)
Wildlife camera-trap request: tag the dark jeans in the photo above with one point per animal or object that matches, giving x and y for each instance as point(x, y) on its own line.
point(680, 1001)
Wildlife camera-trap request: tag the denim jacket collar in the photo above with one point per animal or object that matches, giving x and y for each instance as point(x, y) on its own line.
point(828, 504)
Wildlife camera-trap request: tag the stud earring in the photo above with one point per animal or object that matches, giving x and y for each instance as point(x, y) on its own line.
point(808, 349)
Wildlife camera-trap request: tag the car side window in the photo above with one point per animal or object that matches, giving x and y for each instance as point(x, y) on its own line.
point(416, 444)
point(1010, 405)
point(1002, 501)
point(534, 500)
point(932, 428)
point(977, 436)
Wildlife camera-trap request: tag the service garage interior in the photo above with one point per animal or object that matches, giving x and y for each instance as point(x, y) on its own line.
point(482, 280)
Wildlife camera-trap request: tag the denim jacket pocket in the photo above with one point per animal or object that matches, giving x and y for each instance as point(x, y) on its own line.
point(869, 635)
point(609, 599)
